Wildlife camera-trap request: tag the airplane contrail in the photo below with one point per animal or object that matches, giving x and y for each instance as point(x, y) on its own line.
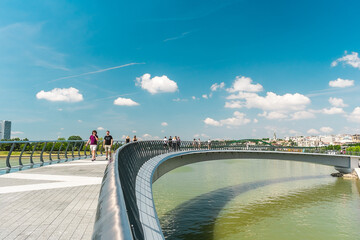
point(93, 72)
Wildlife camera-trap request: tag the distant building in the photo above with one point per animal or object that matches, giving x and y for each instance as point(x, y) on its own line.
point(5, 129)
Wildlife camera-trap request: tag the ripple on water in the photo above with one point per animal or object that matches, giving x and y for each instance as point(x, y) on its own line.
point(254, 201)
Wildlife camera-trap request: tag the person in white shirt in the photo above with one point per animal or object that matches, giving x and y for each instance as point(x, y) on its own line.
point(165, 142)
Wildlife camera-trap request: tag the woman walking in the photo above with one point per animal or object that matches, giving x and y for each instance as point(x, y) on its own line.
point(93, 139)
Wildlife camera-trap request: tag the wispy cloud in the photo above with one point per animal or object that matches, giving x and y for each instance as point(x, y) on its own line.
point(94, 72)
point(330, 91)
point(177, 37)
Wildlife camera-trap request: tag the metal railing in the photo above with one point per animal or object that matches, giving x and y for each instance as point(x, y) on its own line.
point(118, 188)
point(19, 154)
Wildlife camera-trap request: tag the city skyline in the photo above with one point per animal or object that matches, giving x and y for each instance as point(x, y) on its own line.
point(205, 70)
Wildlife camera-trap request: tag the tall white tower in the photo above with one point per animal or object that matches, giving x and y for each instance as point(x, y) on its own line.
point(5, 129)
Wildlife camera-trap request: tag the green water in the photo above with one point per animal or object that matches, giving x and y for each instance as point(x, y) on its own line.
point(257, 199)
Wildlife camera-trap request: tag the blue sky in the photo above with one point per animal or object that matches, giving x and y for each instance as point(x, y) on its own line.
point(284, 66)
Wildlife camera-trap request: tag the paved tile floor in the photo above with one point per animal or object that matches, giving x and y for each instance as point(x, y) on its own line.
point(53, 202)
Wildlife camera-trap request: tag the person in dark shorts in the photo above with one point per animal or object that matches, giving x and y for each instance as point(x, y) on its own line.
point(108, 142)
point(170, 143)
point(127, 140)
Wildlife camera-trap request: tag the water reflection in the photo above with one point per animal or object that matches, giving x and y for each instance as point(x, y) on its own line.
point(195, 219)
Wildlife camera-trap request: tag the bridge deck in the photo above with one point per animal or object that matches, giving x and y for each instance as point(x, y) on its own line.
point(53, 202)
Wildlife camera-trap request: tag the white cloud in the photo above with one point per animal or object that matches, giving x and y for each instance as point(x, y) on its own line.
point(193, 98)
point(273, 115)
point(212, 122)
point(238, 119)
point(133, 131)
point(217, 86)
point(355, 115)
point(156, 84)
point(244, 84)
point(147, 136)
point(326, 129)
point(313, 131)
point(79, 121)
point(255, 120)
point(241, 95)
point(341, 83)
point(302, 115)
point(350, 59)
point(337, 102)
point(234, 104)
point(125, 102)
point(164, 124)
point(100, 128)
point(201, 135)
point(16, 132)
point(333, 110)
point(274, 102)
point(180, 100)
point(205, 96)
point(294, 132)
point(60, 109)
point(61, 95)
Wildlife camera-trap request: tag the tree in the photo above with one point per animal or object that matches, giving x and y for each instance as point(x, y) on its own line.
point(74, 138)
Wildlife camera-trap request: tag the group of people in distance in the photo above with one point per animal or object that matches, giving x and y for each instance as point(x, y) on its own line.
point(127, 139)
point(197, 143)
point(173, 143)
point(107, 143)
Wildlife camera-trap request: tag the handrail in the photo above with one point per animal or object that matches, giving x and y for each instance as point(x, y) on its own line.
point(38, 153)
point(118, 186)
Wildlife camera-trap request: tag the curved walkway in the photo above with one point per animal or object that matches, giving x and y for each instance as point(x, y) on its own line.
point(157, 166)
point(54, 202)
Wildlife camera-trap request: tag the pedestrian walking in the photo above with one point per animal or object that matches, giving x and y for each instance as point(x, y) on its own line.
point(170, 143)
point(209, 144)
point(127, 139)
point(199, 143)
point(194, 143)
point(108, 142)
point(93, 139)
point(178, 143)
point(165, 142)
point(174, 143)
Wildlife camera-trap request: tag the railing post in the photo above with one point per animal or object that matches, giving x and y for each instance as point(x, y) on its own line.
point(22, 151)
point(32, 153)
point(72, 150)
point(79, 150)
point(59, 150)
point(85, 151)
point(52, 149)
point(42, 152)
point(8, 165)
point(66, 150)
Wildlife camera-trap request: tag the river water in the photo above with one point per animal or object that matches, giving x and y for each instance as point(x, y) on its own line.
point(257, 199)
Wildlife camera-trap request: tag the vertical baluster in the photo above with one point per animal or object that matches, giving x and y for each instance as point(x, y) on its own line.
point(52, 149)
point(22, 152)
point(8, 165)
point(59, 150)
point(42, 152)
point(32, 153)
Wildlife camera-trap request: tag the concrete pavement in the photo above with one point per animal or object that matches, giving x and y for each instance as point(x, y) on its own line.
point(52, 202)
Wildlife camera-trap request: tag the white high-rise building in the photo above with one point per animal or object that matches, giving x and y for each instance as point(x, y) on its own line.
point(5, 129)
